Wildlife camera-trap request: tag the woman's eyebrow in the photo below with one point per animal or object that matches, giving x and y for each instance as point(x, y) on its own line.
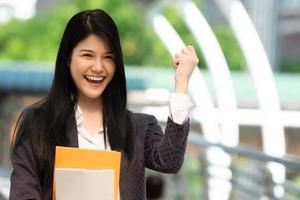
point(91, 51)
point(88, 50)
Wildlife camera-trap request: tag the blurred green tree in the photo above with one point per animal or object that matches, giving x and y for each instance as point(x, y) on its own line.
point(225, 37)
point(37, 39)
point(34, 39)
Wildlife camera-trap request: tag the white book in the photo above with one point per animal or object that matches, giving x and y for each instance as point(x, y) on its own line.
point(84, 184)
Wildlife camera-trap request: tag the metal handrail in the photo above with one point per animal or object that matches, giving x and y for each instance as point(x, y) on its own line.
point(250, 177)
point(288, 161)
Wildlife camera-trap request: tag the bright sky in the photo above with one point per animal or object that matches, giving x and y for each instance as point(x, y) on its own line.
point(21, 9)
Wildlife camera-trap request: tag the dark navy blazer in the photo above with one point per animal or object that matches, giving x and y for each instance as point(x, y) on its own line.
point(153, 149)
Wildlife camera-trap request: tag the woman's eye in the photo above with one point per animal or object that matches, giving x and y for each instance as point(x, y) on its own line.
point(87, 55)
point(109, 57)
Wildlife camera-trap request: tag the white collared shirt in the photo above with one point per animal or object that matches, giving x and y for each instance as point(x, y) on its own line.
point(180, 106)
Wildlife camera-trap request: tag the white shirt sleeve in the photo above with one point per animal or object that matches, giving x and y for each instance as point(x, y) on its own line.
point(180, 106)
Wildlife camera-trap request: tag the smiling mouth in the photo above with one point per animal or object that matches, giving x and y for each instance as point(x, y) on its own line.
point(94, 79)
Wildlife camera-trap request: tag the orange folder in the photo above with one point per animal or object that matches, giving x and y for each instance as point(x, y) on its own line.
point(76, 158)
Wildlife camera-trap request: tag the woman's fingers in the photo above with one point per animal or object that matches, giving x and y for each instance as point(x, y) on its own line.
point(178, 55)
point(187, 56)
point(185, 61)
point(190, 48)
point(185, 51)
point(177, 60)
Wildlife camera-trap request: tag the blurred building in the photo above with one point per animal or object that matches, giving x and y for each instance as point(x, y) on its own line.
point(24, 9)
point(289, 26)
point(277, 23)
point(43, 5)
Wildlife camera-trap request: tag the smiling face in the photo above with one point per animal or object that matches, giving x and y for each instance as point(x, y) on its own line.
point(92, 67)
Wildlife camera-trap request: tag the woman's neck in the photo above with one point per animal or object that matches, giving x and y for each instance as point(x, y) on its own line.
point(88, 105)
point(92, 113)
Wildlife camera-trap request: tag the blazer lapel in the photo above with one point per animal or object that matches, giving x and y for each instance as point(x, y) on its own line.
point(72, 132)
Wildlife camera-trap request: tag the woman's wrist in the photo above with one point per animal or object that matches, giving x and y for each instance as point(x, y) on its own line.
point(181, 86)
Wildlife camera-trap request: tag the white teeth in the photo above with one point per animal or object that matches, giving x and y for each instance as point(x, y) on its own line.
point(95, 78)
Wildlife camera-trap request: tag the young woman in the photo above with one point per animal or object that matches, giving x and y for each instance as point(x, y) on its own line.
point(86, 108)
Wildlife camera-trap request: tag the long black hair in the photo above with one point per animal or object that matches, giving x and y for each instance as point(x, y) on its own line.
point(48, 122)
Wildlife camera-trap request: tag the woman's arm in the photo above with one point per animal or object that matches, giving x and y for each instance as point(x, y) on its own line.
point(24, 179)
point(165, 152)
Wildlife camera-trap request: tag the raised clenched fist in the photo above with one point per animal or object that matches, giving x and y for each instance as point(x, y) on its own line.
point(184, 62)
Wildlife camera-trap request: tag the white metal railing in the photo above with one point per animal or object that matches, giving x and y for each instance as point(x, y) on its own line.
point(269, 114)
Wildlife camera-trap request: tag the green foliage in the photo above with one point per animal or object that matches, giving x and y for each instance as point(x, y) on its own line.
point(177, 22)
point(139, 42)
point(290, 66)
point(37, 39)
point(225, 37)
point(230, 47)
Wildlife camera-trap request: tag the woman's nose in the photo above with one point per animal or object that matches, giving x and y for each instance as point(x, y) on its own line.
point(97, 66)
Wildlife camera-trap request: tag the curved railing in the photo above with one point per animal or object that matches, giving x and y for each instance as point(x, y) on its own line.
point(221, 124)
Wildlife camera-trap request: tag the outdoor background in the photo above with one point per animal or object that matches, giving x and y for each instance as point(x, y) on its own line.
point(30, 33)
